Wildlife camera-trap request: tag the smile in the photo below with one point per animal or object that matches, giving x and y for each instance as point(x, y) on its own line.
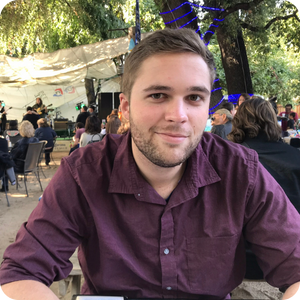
point(172, 138)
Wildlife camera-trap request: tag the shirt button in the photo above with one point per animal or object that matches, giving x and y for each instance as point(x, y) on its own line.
point(139, 194)
point(168, 288)
point(166, 251)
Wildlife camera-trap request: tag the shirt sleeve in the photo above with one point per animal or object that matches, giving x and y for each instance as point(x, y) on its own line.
point(272, 227)
point(55, 228)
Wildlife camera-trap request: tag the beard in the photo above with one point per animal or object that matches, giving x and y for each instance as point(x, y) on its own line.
point(154, 152)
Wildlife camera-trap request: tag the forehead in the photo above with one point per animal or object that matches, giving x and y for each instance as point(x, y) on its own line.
point(164, 65)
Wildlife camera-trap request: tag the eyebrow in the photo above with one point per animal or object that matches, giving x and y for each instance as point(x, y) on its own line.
point(167, 88)
point(158, 87)
point(199, 89)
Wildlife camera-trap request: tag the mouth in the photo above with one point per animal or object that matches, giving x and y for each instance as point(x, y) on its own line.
point(172, 138)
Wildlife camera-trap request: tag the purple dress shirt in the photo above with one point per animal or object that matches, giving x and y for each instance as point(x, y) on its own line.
point(134, 243)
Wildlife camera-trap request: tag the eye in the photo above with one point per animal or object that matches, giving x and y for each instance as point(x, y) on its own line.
point(157, 96)
point(194, 98)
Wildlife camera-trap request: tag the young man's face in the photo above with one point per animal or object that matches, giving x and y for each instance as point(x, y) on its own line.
point(288, 109)
point(168, 107)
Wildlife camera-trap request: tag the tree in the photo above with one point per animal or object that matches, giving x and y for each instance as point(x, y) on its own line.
point(48, 25)
point(228, 25)
point(258, 16)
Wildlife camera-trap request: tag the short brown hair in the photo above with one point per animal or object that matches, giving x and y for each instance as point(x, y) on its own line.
point(42, 122)
point(254, 116)
point(92, 125)
point(182, 40)
point(26, 129)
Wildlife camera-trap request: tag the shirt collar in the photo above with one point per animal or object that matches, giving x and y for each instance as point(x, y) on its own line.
point(126, 178)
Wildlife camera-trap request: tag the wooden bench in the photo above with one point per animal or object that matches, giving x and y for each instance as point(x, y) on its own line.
point(73, 280)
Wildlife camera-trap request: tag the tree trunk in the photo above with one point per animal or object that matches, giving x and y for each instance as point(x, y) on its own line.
point(90, 92)
point(235, 62)
point(188, 21)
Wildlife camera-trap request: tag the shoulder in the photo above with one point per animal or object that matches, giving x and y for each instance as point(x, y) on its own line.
point(217, 128)
point(226, 153)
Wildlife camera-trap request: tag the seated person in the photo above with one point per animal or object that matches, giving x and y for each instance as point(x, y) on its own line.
point(291, 122)
point(92, 131)
point(6, 165)
point(288, 110)
point(19, 150)
point(230, 107)
point(113, 124)
point(79, 130)
point(221, 122)
point(45, 133)
point(31, 116)
point(13, 132)
point(242, 98)
point(162, 211)
point(255, 126)
point(114, 112)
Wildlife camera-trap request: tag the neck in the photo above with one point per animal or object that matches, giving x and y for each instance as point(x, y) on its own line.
point(163, 180)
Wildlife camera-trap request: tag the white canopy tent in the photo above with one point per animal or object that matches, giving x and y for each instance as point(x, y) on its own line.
point(58, 77)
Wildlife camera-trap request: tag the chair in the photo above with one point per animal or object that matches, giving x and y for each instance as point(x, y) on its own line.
point(295, 142)
point(50, 150)
point(5, 190)
point(14, 139)
point(31, 162)
point(41, 156)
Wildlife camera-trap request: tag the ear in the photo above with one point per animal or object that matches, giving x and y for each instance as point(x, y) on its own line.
point(124, 103)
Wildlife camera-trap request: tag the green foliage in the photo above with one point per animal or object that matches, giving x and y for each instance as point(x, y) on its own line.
point(48, 25)
point(150, 19)
point(276, 72)
point(273, 54)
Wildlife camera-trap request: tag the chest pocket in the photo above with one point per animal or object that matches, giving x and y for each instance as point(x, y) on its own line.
point(212, 263)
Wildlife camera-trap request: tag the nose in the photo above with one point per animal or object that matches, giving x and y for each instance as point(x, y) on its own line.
point(176, 111)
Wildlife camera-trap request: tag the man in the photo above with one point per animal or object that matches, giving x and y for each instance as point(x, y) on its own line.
point(92, 110)
point(230, 107)
point(40, 108)
point(83, 115)
point(45, 133)
point(31, 116)
point(164, 210)
point(221, 122)
point(288, 110)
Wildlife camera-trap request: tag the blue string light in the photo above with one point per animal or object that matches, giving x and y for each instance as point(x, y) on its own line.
point(167, 12)
point(207, 7)
point(216, 105)
point(216, 89)
point(188, 22)
point(180, 17)
point(216, 80)
point(192, 4)
point(201, 35)
point(219, 20)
